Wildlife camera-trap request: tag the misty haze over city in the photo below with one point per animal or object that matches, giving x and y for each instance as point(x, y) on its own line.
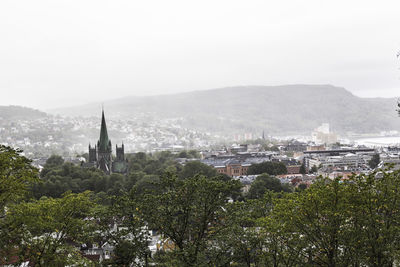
point(66, 53)
point(175, 74)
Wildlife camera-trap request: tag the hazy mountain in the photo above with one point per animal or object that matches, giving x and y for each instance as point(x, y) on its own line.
point(275, 109)
point(17, 112)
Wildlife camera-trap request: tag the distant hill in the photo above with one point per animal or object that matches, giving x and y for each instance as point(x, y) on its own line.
point(17, 112)
point(276, 109)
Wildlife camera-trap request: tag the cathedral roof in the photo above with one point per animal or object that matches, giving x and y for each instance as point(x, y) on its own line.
point(103, 144)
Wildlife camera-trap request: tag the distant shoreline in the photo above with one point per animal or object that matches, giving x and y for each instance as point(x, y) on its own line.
point(378, 141)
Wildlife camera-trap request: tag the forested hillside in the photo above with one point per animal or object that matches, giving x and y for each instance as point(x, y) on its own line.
point(275, 109)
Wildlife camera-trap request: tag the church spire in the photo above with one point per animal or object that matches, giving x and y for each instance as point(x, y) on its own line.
point(103, 142)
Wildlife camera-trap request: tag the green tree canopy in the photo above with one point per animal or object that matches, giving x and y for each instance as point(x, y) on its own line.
point(374, 161)
point(239, 241)
point(338, 223)
point(17, 176)
point(193, 168)
point(269, 167)
point(316, 217)
point(187, 212)
point(44, 230)
point(130, 239)
point(265, 183)
point(54, 160)
point(303, 169)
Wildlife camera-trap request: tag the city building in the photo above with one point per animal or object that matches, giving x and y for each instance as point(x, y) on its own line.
point(343, 159)
point(323, 135)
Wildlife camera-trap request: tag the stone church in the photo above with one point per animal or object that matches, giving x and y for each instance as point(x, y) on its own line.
point(100, 156)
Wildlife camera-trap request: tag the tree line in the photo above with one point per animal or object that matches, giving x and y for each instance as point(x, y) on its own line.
point(144, 169)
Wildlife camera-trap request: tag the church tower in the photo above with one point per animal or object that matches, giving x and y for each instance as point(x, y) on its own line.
point(120, 153)
point(104, 150)
point(100, 156)
point(92, 154)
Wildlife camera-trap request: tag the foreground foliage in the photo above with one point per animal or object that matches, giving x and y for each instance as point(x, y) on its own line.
point(121, 225)
point(16, 176)
point(189, 213)
point(46, 231)
point(199, 220)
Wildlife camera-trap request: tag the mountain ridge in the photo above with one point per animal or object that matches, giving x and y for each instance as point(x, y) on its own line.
point(284, 109)
point(14, 112)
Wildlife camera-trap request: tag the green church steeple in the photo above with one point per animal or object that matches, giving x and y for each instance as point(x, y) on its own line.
point(104, 143)
point(100, 155)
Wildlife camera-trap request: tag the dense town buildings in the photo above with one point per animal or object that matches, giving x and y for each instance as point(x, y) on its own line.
point(318, 160)
point(44, 136)
point(69, 136)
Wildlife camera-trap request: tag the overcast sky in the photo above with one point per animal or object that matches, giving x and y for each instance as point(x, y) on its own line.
point(59, 53)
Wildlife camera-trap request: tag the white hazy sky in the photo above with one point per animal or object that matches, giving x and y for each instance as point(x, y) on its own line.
point(57, 53)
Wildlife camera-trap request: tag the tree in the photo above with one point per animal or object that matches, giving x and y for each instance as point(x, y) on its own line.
point(282, 247)
point(54, 160)
point(269, 167)
point(375, 160)
point(375, 207)
point(17, 176)
point(129, 236)
point(147, 183)
point(315, 225)
point(44, 229)
point(302, 186)
point(313, 169)
point(187, 213)
point(265, 183)
point(336, 222)
point(303, 169)
point(189, 154)
point(193, 168)
point(271, 148)
point(183, 154)
point(239, 242)
point(194, 154)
